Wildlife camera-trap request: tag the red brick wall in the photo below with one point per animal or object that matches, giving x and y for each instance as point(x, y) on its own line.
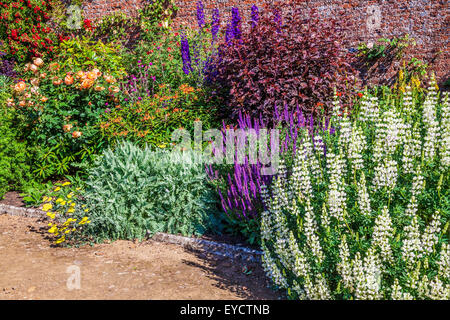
point(427, 21)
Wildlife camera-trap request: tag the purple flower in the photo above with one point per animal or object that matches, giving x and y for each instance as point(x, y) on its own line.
point(185, 54)
point(236, 23)
point(200, 15)
point(254, 15)
point(229, 34)
point(215, 25)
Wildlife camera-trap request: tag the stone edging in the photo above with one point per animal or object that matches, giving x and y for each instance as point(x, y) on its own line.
point(216, 248)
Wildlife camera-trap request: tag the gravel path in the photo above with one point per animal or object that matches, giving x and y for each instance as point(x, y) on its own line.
point(31, 268)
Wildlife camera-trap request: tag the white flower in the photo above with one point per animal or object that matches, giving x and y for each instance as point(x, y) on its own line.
point(382, 232)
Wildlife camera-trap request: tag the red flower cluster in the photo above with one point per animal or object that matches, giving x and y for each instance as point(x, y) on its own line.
point(24, 24)
point(88, 25)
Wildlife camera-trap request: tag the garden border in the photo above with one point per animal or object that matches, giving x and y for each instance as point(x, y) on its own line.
point(212, 247)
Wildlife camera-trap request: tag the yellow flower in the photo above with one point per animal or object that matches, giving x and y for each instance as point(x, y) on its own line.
point(59, 200)
point(45, 198)
point(47, 207)
point(70, 195)
point(53, 229)
point(66, 184)
point(51, 215)
point(86, 210)
point(62, 239)
point(71, 210)
point(57, 189)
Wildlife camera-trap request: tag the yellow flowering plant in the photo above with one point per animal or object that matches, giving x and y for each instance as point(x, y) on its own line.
point(68, 216)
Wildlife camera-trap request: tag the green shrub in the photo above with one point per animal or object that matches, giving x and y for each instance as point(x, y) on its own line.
point(14, 155)
point(369, 219)
point(132, 191)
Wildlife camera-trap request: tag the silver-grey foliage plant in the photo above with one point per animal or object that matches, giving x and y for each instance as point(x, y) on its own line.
point(132, 192)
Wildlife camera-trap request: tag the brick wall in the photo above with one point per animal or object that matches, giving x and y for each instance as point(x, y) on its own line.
point(427, 21)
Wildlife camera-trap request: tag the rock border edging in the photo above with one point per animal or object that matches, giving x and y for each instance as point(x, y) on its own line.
point(212, 247)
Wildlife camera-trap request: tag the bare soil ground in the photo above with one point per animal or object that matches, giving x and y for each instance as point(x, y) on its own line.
point(32, 268)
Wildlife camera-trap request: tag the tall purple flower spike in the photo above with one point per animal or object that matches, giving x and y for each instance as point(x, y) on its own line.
point(254, 15)
point(185, 54)
point(200, 15)
point(215, 24)
point(236, 23)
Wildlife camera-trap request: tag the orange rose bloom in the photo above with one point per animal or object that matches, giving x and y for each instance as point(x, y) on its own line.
point(68, 79)
point(97, 72)
point(57, 81)
point(114, 89)
point(10, 102)
point(80, 74)
point(35, 82)
point(54, 66)
point(43, 75)
point(67, 127)
point(99, 88)
point(38, 62)
point(20, 86)
point(22, 103)
point(109, 79)
point(44, 99)
point(87, 83)
point(34, 68)
point(91, 75)
point(76, 134)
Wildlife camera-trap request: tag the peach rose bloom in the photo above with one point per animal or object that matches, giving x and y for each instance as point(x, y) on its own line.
point(87, 83)
point(109, 79)
point(43, 75)
point(54, 66)
point(38, 61)
point(67, 127)
point(76, 134)
point(22, 103)
point(99, 88)
point(34, 90)
point(91, 75)
point(27, 67)
point(80, 74)
point(57, 81)
point(20, 86)
point(34, 68)
point(44, 99)
point(68, 79)
point(35, 82)
point(97, 72)
point(114, 89)
point(9, 102)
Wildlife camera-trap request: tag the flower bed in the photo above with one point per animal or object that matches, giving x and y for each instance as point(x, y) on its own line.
point(122, 137)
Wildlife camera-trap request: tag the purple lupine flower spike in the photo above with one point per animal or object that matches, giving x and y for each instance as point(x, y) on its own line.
point(236, 23)
point(200, 15)
point(254, 15)
point(215, 24)
point(185, 54)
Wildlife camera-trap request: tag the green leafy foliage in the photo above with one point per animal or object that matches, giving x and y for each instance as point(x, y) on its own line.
point(14, 154)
